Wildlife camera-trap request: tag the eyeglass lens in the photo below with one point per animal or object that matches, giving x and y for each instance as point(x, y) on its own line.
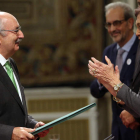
point(115, 23)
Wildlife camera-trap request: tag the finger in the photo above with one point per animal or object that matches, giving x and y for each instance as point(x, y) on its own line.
point(29, 129)
point(96, 61)
point(107, 60)
point(91, 63)
point(41, 123)
point(92, 68)
point(91, 72)
point(44, 133)
point(133, 126)
point(28, 134)
point(117, 69)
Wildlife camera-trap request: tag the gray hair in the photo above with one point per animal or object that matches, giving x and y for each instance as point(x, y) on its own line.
point(128, 11)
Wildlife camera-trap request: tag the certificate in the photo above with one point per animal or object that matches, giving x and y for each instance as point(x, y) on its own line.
point(62, 119)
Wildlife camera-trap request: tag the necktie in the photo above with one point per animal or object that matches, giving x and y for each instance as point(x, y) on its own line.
point(10, 73)
point(119, 60)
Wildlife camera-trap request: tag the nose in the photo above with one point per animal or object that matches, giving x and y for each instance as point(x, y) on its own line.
point(112, 27)
point(20, 34)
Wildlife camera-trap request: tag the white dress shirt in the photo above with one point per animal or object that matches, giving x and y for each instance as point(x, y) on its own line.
point(3, 61)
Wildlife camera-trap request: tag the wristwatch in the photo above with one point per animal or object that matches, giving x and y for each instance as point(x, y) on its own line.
point(116, 99)
point(117, 88)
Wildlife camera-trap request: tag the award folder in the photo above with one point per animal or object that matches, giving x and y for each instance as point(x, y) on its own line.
point(62, 119)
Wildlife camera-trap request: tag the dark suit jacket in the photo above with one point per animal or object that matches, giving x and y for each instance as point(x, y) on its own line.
point(118, 129)
point(13, 113)
point(131, 96)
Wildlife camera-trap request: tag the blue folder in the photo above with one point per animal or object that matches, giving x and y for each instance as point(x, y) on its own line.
point(62, 119)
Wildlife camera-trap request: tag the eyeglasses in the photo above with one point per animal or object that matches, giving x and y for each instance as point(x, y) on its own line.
point(16, 30)
point(115, 23)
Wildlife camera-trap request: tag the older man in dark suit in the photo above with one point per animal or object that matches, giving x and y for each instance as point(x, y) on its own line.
point(127, 98)
point(119, 24)
point(15, 123)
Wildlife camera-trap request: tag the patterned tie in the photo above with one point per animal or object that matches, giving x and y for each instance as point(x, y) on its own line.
point(119, 60)
point(10, 73)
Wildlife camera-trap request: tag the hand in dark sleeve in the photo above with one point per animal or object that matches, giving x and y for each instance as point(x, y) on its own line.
point(97, 90)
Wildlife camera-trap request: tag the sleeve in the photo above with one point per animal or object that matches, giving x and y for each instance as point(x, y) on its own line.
point(6, 132)
point(96, 91)
point(131, 99)
point(31, 122)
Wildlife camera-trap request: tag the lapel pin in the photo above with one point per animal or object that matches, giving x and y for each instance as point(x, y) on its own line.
point(129, 61)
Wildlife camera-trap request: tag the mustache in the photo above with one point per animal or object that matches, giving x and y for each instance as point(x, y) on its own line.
point(19, 40)
point(114, 32)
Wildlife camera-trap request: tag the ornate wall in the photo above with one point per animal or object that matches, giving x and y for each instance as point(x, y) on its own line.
point(60, 38)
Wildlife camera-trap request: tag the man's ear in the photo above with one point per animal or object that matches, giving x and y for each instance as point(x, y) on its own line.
point(130, 23)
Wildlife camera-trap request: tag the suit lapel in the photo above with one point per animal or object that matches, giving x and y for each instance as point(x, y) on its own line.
point(21, 90)
point(114, 55)
point(130, 56)
point(4, 78)
point(137, 64)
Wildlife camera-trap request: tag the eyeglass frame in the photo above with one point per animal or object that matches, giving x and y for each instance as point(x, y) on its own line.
point(16, 30)
point(121, 21)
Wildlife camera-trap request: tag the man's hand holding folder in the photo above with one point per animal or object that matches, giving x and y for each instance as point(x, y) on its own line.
point(46, 127)
point(43, 133)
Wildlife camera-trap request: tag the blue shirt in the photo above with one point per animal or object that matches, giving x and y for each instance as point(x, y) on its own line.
point(127, 48)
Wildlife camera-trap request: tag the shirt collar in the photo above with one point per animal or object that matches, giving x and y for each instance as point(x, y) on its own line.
point(129, 44)
point(3, 60)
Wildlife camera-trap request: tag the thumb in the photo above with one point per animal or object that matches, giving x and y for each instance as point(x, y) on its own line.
point(117, 71)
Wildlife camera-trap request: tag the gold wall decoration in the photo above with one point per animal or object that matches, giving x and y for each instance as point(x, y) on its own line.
point(71, 130)
point(55, 105)
point(60, 37)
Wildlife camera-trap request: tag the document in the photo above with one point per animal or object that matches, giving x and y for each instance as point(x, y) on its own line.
point(62, 119)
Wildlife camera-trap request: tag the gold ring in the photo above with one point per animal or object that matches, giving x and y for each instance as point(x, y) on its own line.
point(94, 71)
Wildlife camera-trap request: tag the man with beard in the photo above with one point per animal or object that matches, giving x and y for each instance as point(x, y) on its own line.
point(119, 24)
point(15, 123)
